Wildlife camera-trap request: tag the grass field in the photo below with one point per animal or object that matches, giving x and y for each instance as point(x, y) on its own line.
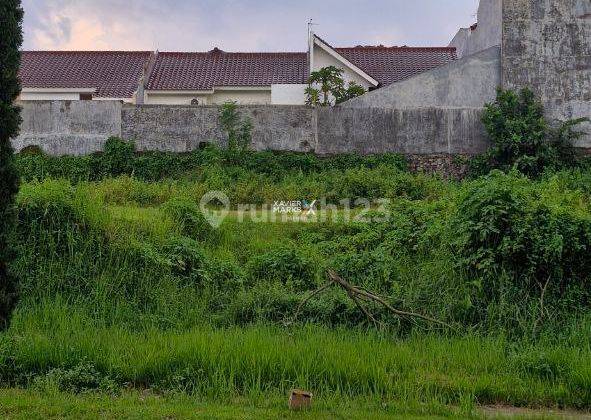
point(133, 305)
point(26, 404)
point(20, 404)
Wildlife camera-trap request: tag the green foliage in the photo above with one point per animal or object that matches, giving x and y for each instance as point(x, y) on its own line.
point(230, 363)
point(522, 137)
point(352, 90)
point(237, 129)
point(117, 157)
point(210, 165)
point(520, 242)
point(82, 377)
point(327, 87)
point(11, 15)
point(284, 265)
point(186, 213)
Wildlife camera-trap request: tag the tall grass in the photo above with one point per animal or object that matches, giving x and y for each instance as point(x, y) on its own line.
point(220, 363)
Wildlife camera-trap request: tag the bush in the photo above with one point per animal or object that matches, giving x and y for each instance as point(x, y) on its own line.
point(516, 239)
point(523, 139)
point(117, 157)
point(80, 378)
point(287, 266)
point(188, 215)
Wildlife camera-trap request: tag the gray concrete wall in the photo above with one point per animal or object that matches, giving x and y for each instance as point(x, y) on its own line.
point(412, 131)
point(82, 127)
point(68, 127)
point(487, 34)
point(547, 47)
point(467, 83)
point(182, 128)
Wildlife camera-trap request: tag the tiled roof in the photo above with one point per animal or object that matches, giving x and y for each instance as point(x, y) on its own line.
point(204, 70)
point(114, 74)
point(393, 64)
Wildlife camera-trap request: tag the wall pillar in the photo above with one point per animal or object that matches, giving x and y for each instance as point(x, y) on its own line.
point(546, 45)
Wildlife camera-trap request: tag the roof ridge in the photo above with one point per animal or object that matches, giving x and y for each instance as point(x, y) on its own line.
point(236, 52)
point(87, 51)
point(404, 47)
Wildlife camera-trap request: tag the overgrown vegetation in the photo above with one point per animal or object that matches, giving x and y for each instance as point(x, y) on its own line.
point(523, 139)
point(121, 269)
point(119, 158)
point(237, 129)
point(11, 38)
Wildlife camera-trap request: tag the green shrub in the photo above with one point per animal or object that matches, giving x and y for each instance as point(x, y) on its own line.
point(515, 238)
point(523, 139)
point(188, 215)
point(238, 130)
point(80, 378)
point(287, 266)
point(117, 157)
point(55, 207)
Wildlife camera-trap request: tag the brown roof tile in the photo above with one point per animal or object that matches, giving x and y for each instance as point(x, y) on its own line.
point(393, 64)
point(204, 70)
point(114, 74)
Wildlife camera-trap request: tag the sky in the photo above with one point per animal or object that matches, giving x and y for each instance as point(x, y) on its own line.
point(239, 25)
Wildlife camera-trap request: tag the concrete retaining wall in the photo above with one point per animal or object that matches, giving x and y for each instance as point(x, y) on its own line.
point(76, 128)
point(467, 83)
point(68, 127)
point(180, 129)
point(547, 47)
point(410, 131)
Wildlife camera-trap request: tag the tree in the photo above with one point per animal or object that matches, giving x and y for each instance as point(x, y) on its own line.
point(11, 15)
point(326, 87)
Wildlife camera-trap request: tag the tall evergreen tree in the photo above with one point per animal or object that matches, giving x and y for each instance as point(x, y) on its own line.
point(11, 38)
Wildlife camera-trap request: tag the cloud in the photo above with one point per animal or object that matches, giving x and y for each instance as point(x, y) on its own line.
point(239, 25)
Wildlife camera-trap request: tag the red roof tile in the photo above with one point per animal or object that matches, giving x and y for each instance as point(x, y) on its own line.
point(114, 74)
point(393, 64)
point(204, 70)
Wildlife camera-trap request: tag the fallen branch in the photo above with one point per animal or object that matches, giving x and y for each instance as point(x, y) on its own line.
point(359, 292)
point(357, 295)
point(543, 309)
point(310, 296)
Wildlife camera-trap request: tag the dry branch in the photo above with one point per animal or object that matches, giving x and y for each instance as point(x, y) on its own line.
point(357, 295)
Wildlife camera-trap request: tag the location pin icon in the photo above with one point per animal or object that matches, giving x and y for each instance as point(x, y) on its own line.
point(215, 217)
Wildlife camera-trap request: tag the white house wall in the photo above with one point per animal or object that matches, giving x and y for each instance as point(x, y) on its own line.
point(242, 97)
point(288, 94)
point(324, 59)
point(49, 96)
point(246, 97)
point(178, 98)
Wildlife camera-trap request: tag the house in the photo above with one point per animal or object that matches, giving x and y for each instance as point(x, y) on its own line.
point(216, 76)
point(83, 75)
